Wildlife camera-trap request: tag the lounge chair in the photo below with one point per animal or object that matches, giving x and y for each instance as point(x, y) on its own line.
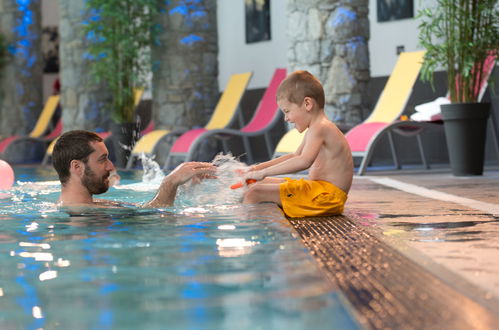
point(384, 118)
point(39, 133)
point(265, 117)
point(147, 145)
point(138, 93)
point(288, 143)
point(364, 137)
point(224, 114)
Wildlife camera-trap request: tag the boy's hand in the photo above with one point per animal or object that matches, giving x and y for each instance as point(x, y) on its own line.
point(256, 175)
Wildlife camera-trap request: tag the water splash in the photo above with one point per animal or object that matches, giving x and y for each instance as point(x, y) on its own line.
point(215, 192)
point(152, 171)
point(206, 196)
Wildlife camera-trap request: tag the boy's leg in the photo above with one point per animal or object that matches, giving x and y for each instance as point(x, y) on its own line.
point(271, 179)
point(262, 192)
point(266, 190)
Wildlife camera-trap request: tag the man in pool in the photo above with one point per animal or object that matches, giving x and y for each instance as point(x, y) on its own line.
point(81, 160)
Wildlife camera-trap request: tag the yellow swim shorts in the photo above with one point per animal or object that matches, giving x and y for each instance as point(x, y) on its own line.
point(309, 198)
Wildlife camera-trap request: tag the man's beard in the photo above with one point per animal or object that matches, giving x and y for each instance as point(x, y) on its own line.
point(93, 184)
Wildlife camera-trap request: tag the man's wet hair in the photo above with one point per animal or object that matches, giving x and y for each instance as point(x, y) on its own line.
point(301, 84)
point(72, 145)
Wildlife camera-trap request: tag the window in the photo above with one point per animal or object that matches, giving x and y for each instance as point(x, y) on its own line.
point(257, 20)
point(391, 10)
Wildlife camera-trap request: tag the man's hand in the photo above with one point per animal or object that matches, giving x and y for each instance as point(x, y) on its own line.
point(180, 175)
point(191, 170)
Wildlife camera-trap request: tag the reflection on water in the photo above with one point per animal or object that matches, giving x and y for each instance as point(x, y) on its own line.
point(217, 265)
point(440, 231)
point(463, 241)
point(424, 230)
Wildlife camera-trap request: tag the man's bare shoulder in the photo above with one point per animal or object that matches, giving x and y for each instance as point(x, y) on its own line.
point(97, 203)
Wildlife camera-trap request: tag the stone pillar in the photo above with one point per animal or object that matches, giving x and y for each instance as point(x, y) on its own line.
point(329, 39)
point(83, 101)
point(185, 64)
point(21, 74)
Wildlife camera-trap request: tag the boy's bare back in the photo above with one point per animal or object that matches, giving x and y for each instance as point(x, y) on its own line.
point(333, 162)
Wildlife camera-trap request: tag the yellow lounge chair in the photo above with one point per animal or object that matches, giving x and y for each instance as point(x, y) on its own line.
point(223, 116)
point(289, 143)
point(391, 104)
point(39, 132)
point(104, 135)
point(225, 112)
point(384, 118)
point(384, 121)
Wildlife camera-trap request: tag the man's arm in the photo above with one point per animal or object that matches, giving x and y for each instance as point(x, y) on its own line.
point(180, 175)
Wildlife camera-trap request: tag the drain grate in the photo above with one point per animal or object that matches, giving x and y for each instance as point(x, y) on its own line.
point(388, 290)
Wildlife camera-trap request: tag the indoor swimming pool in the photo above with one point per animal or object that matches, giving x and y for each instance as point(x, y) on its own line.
point(206, 263)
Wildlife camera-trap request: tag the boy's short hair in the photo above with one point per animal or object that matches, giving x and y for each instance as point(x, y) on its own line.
point(72, 145)
point(301, 84)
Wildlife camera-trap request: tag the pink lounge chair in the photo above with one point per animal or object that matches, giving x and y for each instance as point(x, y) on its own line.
point(265, 117)
point(384, 120)
point(226, 111)
point(391, 104)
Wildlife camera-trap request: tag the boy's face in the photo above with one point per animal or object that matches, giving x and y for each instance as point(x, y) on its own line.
point(294, 113)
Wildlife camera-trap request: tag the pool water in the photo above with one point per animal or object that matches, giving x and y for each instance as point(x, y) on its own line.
point(206, 263)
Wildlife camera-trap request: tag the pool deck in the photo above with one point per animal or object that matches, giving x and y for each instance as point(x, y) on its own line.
point(414, 249)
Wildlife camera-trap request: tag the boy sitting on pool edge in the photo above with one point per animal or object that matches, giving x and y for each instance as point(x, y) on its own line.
point(324, 152)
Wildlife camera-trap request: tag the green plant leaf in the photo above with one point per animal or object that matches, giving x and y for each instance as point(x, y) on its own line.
point(119, 34)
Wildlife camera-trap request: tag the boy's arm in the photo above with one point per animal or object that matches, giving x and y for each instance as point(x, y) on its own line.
point(277, 160)
point(272, 162)
point(301, 160)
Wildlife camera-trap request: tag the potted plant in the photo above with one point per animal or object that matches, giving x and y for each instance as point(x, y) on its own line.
point(461, 36)
point(119, 34)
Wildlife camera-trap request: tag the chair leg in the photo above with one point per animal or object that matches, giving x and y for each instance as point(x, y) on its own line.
point(46, 159)
point(422, 153)
point(168, 160)
point(240, 117)
point(247, 147)
point(225, 146)
point(394, 150)
point(192, 149)
point(268, 143)
point(494, 132)
point(363, 164)
point(130, 161)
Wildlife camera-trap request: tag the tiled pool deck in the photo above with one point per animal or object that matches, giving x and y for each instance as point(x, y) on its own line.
point(415, 249)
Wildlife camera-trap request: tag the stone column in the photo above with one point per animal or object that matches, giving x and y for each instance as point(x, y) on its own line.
point(185, 64)
point(329, 39)
point(82, 99)
point(21, 74)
